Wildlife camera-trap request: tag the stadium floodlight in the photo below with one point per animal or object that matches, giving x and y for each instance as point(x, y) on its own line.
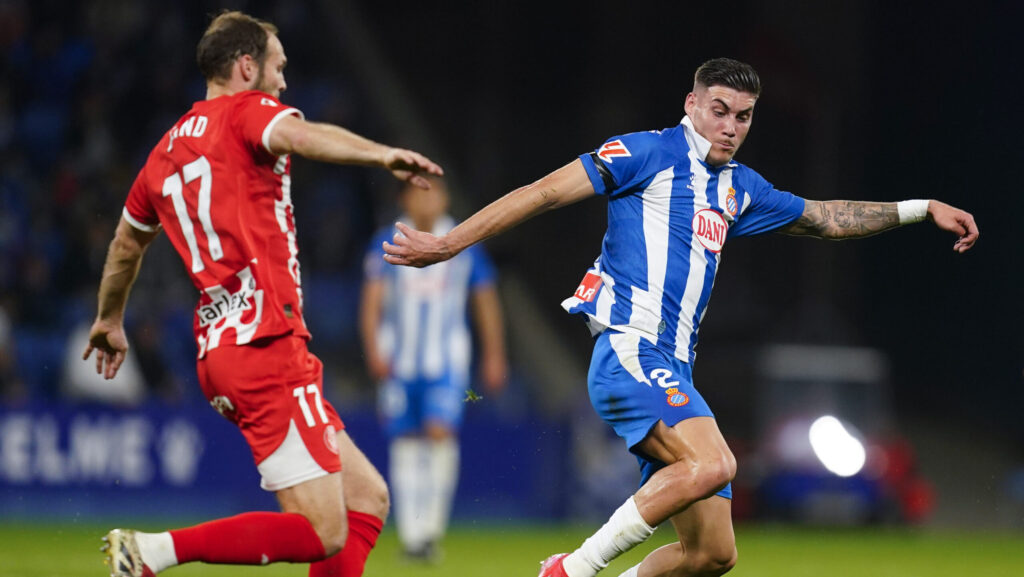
point(836, 448)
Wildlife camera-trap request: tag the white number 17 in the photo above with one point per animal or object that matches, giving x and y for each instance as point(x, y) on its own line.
point(311, 389)
point(174, 187)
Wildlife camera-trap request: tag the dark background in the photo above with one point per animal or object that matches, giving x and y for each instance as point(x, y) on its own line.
point(866, 101)
point(874, 101)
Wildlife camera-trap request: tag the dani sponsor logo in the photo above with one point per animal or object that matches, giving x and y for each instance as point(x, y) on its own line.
point(710, 228)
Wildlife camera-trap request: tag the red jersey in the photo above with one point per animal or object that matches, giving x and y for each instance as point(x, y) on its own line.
point(225, 202)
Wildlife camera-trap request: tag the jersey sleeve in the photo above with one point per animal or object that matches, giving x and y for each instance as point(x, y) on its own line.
point(621, 162)
point(769, 208)
point(258, 112)
point(138, 208)
point(482, 273)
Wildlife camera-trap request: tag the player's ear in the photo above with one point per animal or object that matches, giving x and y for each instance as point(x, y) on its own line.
point(247, 66)
point(690, 103)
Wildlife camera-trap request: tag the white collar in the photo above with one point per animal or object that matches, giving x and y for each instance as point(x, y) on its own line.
point(698, 144)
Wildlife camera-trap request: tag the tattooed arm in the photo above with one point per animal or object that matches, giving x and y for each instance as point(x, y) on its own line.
point(842, 219)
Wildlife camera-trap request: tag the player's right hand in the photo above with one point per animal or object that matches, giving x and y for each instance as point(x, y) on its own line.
point(111, 345)
point(410, 166)
point(415, 248)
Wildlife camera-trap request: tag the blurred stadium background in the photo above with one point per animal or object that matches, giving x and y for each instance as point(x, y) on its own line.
point(917, 350)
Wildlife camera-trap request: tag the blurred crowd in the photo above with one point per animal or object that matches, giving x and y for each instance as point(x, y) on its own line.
point(87, 91)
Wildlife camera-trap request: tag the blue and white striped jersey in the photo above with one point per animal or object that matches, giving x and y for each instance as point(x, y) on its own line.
point(669, 214)
point(424, 326)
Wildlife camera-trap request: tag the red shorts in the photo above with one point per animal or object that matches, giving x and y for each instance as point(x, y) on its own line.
point(273, 391)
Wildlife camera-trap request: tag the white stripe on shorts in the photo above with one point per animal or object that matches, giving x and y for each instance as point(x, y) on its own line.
point(627, 349)
point(289, 464)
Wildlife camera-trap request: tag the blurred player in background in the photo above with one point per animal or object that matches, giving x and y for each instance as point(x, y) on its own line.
point(673, 198)
point(418, 348)
point(218, 184)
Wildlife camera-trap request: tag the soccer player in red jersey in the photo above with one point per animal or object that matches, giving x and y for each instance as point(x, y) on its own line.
point(218, 184)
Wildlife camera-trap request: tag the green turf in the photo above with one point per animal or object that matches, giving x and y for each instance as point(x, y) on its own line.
point(72, 550)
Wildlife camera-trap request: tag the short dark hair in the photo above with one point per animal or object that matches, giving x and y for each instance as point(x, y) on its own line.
point(230, 35)
point(729, 73)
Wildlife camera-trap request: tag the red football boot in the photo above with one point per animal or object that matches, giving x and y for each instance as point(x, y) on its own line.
point(552, 566)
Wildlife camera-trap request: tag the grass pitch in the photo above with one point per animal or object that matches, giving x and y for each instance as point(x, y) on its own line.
point(72, 550)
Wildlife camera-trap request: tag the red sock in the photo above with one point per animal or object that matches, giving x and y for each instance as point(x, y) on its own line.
point(250, 539)
point(363, 530)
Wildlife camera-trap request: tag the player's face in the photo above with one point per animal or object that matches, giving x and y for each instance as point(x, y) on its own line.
point(723, 116)
point(270, 78)
point(424, 207)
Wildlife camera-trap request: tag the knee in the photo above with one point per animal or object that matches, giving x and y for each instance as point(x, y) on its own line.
point(333, 533)
point(380, 500)
point(718, 562)
point(365, 489)
point(708, 474)
point(708, 562)
point(687, 481)
point(370, 497)
point(717, 471)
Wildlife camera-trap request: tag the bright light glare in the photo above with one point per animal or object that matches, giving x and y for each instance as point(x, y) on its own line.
point(836, 448)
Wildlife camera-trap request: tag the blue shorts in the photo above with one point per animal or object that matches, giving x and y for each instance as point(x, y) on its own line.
point(406, 406)
point(633, 385)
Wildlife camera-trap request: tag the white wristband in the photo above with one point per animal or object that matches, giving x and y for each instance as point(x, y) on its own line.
point(912, 210)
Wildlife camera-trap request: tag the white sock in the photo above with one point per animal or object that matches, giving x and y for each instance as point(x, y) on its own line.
point(444, 475)
point(631, 572)
point(407, 479)
point(623, 531)
point(157, 550)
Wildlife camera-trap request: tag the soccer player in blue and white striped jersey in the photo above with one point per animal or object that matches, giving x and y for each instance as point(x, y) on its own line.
point(416, 339)
point(674, 197)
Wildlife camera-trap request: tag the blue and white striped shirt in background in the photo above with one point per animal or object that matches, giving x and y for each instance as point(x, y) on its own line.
point(424, 327)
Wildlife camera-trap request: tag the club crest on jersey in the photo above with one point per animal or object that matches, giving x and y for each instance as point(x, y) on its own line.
point(613, 149)
point(267, 102)
point(222, 404)
point(730, 202)
point(710, 228)
point(331, 439)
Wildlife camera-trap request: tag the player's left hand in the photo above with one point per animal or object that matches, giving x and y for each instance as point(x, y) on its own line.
point(959, 222)
point(415, 248)
point(111, 345)
point(410, 166)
